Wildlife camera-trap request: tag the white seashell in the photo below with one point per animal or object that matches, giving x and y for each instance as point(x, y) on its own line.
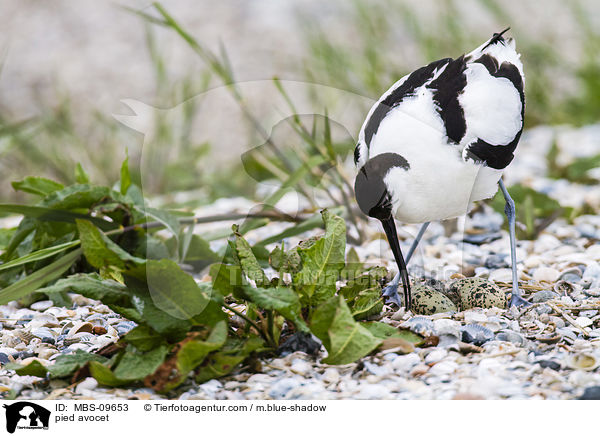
point(446, 327)
point(583, 361)
point(584, 321)
point(80, 327)
point(42, 305)
point(545, 274)
point(501, 275)
point(435, 356)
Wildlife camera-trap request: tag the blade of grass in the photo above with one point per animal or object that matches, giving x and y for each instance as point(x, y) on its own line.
point(39, 255)
point(39, 278)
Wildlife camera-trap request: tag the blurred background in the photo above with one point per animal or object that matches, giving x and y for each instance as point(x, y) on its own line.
point(64, 71)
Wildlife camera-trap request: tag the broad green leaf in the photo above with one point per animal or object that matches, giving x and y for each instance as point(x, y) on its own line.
point(345, 339)
point(174, 329)
point(144, 338)
point(125, 176)
point(193, 352)
point(248, 262)
point(39, 255)
point(174, 291)
point(135, 365)
point(385, 331)
point(81, 176)
point(35, 368)
point(92, 286)
point(39, 278)
point(104, 375)
point(285, 262)
point(368, 302)
point(226, 279)
point(37, 185)
point(100, 251)
point(198, 253)
point(224, 361)
point(322, 261)
point(67, 364)
point(283, 300)
point(78, 196)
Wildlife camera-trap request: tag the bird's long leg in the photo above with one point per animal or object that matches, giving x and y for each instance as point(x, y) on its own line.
point(509, 210)
point(413, 247)
point(390, 292)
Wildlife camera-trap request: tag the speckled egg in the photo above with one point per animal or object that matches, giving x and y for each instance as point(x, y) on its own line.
point(478, 292)
point(427, 301)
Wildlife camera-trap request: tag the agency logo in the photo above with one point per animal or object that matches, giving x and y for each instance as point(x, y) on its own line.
point(26, 415)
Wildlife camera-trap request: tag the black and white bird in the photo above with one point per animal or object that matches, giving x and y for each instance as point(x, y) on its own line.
point(438, 140)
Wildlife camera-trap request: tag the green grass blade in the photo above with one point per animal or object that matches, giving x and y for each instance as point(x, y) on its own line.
point(39, 278)
point(39, 255)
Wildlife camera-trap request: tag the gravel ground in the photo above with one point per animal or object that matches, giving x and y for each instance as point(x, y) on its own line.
point(550, 350)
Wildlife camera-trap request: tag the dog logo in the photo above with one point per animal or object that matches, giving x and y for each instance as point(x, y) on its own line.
point(26, 415)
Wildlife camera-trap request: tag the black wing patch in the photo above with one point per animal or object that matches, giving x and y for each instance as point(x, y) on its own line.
point(446, 89)
point(357, 153)
point(416, 79)
point(499, 156)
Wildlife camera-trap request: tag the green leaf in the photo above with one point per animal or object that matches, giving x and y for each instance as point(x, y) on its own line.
point(144, 338)
point(345, 339)
point(125, 176)
point(135, 365)
point(322, 261)
point(5, 237)
point(92, 286)
point(39, 278)
point(163, 217)
point(577, 171)
point(39, 255)
point(100, 251)
point(285, 262)
point(104, 375)
point(198, 253)
point(80, 174)
point(192, 353)
point(175, 291)
point(226, 279)
point(295, 230)
point(224, 361)
point(43, 213)
point(283, 300)
point(248, 262)
point(354, 267)
point(67, 364)
point(35, 367)
point(368, 302)
point(385, 331)
point(174, 329)
point(37, 186)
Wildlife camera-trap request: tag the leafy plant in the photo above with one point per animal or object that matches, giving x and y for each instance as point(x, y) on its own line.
point(103, 243)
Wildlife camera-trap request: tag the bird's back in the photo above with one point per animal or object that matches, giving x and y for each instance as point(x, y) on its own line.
point(454, 121)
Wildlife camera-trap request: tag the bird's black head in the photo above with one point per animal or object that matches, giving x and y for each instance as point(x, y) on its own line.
point(372, 194)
